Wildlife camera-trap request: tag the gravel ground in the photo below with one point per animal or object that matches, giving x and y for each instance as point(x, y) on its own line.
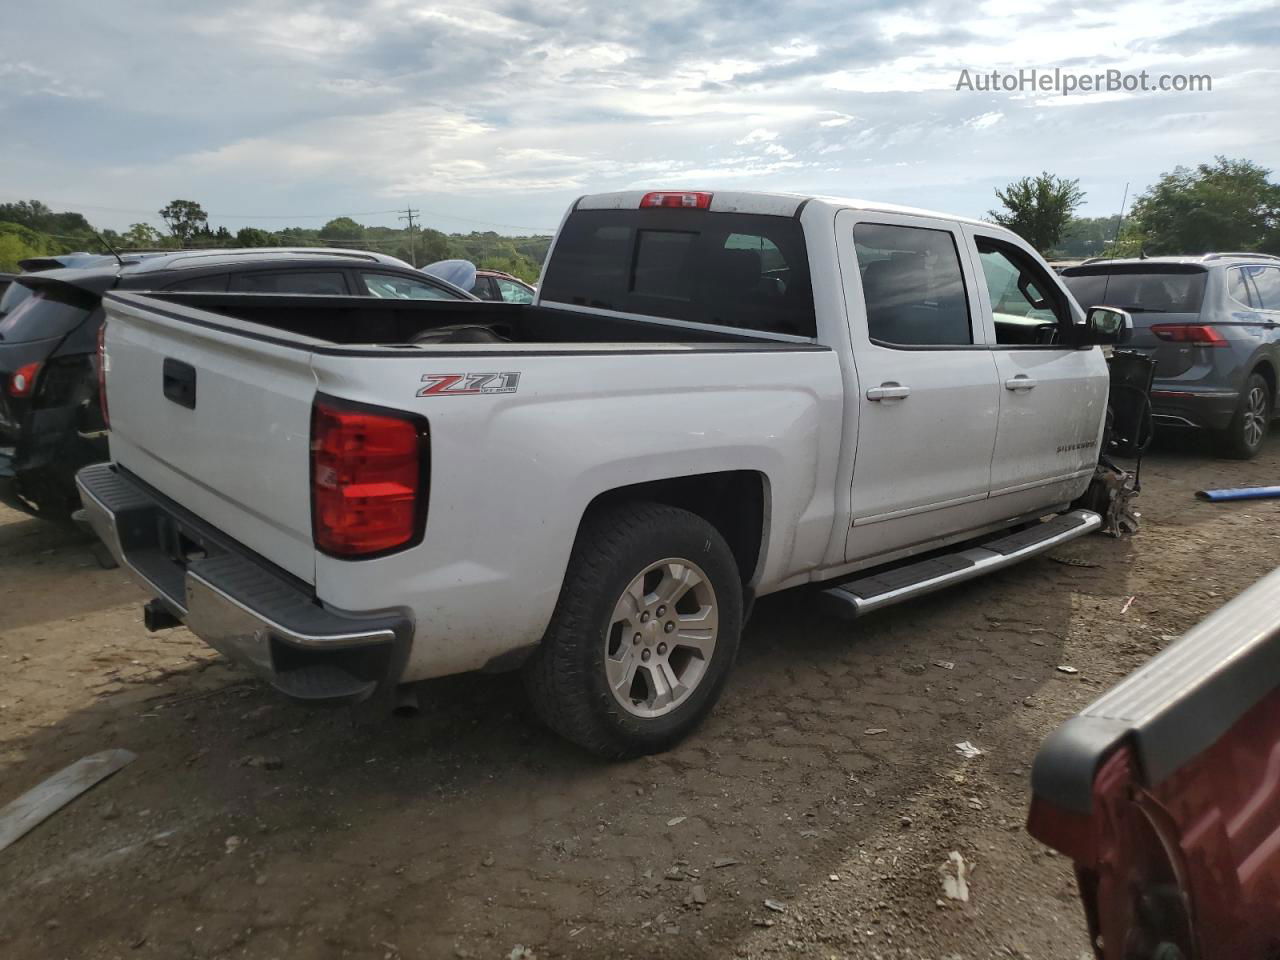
point(827, 782)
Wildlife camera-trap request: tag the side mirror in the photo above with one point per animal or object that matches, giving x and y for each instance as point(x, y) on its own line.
point(1106, 325)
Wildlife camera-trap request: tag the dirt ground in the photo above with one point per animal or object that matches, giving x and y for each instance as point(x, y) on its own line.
point(827, 781)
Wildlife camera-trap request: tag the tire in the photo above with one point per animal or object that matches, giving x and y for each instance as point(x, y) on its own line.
point(1243, 438)
point(629, 562)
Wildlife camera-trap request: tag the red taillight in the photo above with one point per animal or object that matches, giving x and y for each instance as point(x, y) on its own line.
point(368, 479)
point(23, 381)
point(1200, 334)
point(102, 374)
point(687, 200)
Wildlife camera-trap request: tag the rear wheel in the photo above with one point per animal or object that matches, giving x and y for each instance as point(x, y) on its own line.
point(1242, 440)
point(644, 634)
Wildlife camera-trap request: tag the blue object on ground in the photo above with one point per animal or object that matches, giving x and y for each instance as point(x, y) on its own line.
point(1240, 493)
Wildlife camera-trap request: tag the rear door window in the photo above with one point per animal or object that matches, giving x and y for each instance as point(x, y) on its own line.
point(729, 269)
point(329, 282)
point(1240, 287)
point(210, 283)
point(512, 292)
point(1266, 281)
point(51, 310)
point(484, 289)
point(393, 286)
point(912, 285)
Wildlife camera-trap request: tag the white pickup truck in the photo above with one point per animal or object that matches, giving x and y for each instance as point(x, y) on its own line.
point(713, 398)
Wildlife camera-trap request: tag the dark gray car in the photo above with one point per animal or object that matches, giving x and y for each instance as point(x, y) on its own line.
point(1212, 324)
point(51, 423)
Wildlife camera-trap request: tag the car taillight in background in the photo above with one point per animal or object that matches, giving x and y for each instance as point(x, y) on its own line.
point(102, 374)
point(368, 478)
point(684, 199)
point(23, 381)
point(1200, 334)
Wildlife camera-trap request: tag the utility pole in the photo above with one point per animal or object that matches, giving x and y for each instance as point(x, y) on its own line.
point(409, 214)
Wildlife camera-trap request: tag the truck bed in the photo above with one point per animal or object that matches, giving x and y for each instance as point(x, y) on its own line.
point(348, 320)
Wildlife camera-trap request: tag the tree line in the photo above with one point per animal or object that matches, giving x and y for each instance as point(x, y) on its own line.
point(29, 228)
point(1226, 205)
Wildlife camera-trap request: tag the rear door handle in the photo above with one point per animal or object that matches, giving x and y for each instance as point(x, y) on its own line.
point(888, 391)
point(1020, 382)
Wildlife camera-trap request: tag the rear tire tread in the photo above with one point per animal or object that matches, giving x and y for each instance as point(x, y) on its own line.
point(555, 679)
point(1231, 442)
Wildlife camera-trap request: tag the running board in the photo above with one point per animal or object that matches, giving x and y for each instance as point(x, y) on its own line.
point(857, 597)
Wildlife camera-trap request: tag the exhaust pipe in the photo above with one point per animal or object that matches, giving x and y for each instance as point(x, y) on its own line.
point(406, 701)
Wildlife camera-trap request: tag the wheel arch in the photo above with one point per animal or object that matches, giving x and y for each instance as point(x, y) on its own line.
point(735, 502)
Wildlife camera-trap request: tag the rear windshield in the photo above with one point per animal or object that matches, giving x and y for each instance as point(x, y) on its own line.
point(49, 310)
point(13, 295)
point(731, 269)
point(1140, 290)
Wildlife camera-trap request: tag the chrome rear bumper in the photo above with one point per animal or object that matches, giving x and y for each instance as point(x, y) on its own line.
point(237, 602)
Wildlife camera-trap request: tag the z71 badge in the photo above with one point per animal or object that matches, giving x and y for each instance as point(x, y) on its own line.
point(467, 384)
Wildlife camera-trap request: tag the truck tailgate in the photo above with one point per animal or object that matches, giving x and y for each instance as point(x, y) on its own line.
point(217, 421)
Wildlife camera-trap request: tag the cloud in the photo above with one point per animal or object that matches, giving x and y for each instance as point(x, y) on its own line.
point(504, 110)
point(27, 80)
point(1257, 28)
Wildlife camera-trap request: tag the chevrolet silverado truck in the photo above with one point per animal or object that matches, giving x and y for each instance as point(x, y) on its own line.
point(713, 397)
point(1164, 794)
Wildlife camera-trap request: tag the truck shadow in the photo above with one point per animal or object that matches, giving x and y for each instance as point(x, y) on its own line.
point(49, 572)
point(471, 824)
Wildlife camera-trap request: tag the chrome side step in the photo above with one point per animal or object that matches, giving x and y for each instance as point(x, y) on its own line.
point(903, 583)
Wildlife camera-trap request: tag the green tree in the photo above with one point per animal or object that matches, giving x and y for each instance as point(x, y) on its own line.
point(18, 242)
point(1224, 205)
point(1086, 236)
point(38, 216)
point(253, 237)
point(143, 236)
point(1038, 208)
point(186, 219)
point(342, 229)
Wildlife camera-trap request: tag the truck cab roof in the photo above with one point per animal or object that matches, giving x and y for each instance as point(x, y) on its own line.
point(767, 204)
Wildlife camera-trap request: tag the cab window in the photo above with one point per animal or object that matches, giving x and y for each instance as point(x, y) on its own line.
point(727, 269)
point(912, 285)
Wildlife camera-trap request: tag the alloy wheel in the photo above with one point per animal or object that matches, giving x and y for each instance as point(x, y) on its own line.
point(660, 637)
point(1255, 416)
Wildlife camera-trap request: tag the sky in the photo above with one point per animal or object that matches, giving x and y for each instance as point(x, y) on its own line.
point(498, 113)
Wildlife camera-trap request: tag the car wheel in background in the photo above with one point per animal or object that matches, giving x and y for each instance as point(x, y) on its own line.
point(644, 634)
point(1242, 440)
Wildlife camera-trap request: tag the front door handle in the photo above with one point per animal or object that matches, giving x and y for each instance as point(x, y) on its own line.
point(889, 390)
point(1020, 382)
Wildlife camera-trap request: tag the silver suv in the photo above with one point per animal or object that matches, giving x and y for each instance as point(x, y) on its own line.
point(1212, 324)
